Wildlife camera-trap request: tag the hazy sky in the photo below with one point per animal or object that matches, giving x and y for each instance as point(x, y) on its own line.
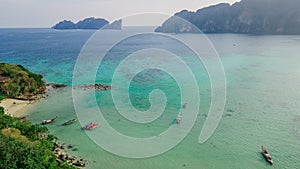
point(45, 13)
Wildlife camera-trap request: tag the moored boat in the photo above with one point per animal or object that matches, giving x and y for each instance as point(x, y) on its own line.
point(266, 155)
point(69, 122)
point(49, 121)
point(90, 126)
point(177, 120)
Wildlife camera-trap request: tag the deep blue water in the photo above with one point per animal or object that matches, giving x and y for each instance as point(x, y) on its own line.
point(49, 52)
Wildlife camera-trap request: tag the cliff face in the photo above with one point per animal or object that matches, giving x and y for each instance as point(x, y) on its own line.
point(247, 16)
point(117, 25)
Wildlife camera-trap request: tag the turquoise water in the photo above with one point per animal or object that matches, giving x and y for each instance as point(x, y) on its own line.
point(262, 103)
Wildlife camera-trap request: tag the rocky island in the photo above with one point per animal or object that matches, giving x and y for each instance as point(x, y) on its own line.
point(246, 17)
point(89, 23)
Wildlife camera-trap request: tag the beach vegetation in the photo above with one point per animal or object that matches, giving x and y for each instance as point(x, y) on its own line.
point(25, 145)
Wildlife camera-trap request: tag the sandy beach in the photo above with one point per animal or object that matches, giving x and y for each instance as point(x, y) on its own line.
point(16, 108)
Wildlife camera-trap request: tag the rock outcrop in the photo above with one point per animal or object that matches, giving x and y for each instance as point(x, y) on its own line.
point(62, 155)
point(56, 86)
point(99, 86)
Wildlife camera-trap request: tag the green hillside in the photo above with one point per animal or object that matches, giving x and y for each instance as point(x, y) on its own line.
point(24, 145)
point(18, 82)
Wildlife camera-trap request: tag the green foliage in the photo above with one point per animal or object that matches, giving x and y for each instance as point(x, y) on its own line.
point(16, 80)
point(30, 131)
point(1, 97)
point(6, 121)
point(17, 154)
point(1, 111)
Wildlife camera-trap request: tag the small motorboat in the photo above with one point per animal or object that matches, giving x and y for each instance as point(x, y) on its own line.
point(266, 155)
point(177, 120)
point(49, 121)
point(90, 126)
point(69, 122)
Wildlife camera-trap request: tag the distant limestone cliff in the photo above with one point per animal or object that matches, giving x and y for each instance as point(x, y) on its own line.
point(65, 25)
point(246, 16)
point(89, 23)
point(115, 25)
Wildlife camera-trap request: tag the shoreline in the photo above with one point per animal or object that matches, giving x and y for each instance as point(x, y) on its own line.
point(17, 108)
